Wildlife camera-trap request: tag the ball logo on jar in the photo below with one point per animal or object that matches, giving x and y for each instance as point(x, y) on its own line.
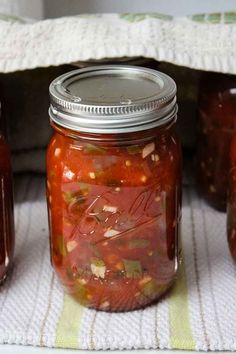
point(109, 213)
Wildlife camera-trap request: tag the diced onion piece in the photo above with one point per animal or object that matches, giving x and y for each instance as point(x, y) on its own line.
point(57, 152)
point(110, 208)
point(212, 188)
point(111, 233)
point(147, 150)
point(145, 280)
point(92, 175)
point(144, 179)
point(71, 245)
point(98, 268)
point(155, 157)
point(105, 305)
point(127, 163)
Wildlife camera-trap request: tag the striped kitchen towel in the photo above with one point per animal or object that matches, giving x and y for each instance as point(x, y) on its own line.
point(199, 313)
point(203, 42)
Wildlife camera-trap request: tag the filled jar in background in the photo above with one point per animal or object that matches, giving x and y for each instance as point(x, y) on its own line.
point(7, 233)
point(217, 124)
point(231, 205)
point(114, 185)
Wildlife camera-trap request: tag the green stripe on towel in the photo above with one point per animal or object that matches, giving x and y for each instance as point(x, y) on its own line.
point(67, 332)
point(181, 336)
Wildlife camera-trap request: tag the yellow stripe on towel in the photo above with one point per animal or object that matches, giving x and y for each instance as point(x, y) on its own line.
point(181, 336)
point(68, 327)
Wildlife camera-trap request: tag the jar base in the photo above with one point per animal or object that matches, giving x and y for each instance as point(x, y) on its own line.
point(131, 308)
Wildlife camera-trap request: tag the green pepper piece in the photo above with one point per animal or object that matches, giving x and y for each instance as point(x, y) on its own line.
point(99, 173)
point(152, 288)
point(61, 247)
point(94, 149)
point(84, 187)
point(77, 196)
point(133, 269)
point(68, 197)
point(133, 149)
point(74, 197)
point(139, 243)
point(81, 293)
point(97, 262)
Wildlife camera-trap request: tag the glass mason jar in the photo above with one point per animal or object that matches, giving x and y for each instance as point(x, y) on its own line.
point(231, 201)
point(114, 185)
point(7, 234)
point(217, 123)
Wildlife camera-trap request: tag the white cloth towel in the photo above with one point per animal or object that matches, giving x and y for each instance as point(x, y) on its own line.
point(206, 43)
point(22, 8)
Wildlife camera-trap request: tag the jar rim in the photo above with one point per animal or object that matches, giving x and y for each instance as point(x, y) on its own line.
point(112, 99)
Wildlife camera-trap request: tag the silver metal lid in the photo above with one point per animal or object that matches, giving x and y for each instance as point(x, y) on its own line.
point(112, 99)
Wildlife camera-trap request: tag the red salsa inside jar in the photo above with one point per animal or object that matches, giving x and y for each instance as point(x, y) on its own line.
point(217, 124)
point(114, 213)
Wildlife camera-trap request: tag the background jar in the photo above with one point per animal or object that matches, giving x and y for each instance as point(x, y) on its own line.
point(114, 185)
point(231, 201)
point(7, 235)
point(217, 123)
